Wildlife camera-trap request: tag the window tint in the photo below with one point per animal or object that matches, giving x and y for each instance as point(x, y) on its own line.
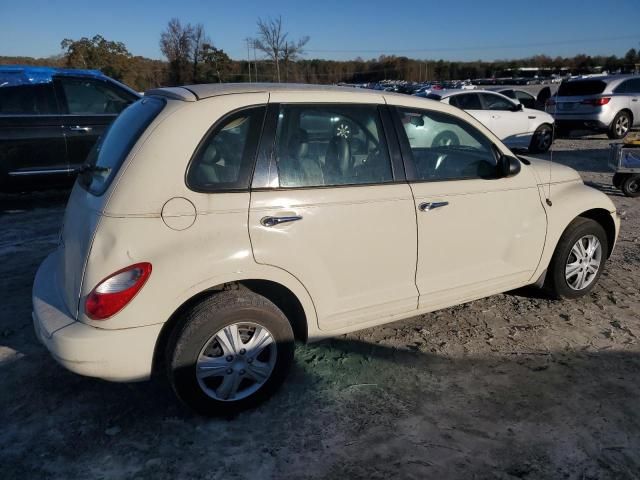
point(225, 159)
point(444, 147)
point(466, 101)
point(495, 102)
point(633, 86)
point(331, 145)
point(581, 87)
point(109, 152)
point(509, 93)
point(36, 99)
point(87, 97)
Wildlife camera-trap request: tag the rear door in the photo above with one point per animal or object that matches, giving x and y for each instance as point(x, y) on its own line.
point(478, 233)
point(330, 207)
point(89, 106)
point(633, 90)
point(32, 143)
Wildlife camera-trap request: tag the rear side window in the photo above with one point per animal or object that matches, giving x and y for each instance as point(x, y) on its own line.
point(631, 86)
point(225, 158)
point(496, 102)
point(466, 101)
point(443, 147)
point(112, 148)
point(330, 145)
point(93, 97)
point(581, 87)
point(36, 99)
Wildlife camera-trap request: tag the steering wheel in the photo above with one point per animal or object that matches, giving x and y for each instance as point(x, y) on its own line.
point(445, 139)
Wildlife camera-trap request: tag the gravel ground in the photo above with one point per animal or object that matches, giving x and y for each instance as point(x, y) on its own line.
point(511, 386)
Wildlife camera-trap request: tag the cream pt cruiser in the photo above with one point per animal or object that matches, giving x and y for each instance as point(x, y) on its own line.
point(214, 225)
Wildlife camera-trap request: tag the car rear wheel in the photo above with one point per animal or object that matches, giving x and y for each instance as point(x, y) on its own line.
point(578, 260)
point(231, 352)
point(631, 186)
point(620, 126)
point(542, 139)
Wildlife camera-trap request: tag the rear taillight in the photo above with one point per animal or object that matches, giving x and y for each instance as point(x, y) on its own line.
point(596, 102)
point(114, 292)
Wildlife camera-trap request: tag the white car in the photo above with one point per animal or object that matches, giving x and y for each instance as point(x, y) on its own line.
point(213, 225)
point(517, 126)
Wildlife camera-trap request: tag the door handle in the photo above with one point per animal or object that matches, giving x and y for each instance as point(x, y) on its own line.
point(634, 99)
point(426, 206)
point(78, 128)
point(273, 221)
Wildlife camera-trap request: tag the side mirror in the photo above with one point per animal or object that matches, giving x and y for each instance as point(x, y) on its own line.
point(518, 107)
point(510, 166)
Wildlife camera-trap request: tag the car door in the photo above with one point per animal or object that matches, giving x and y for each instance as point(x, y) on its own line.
point(478, 232)
point(507, 120)
point(526, 99)
point(330, 207)
point(633, 90)
point(32, 143)
point(89, 106)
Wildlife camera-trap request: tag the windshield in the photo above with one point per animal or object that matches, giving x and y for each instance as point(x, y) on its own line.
point(581, 87)
point(112, 148)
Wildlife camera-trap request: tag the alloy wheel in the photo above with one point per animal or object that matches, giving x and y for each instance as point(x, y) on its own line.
point(622, 125)
point(583, 262)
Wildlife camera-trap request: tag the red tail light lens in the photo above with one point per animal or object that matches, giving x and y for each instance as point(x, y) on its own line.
point(596, 102)
point(114, 292)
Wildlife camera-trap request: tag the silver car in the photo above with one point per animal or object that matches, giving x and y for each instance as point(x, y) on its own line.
point(609, 104)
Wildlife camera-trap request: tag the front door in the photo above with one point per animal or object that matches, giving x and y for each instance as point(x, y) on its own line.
point(477, 233)
point(90, 105)
point(509, 123)
point(336, 214)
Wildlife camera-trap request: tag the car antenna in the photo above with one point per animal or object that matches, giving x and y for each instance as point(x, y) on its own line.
point(553, 137)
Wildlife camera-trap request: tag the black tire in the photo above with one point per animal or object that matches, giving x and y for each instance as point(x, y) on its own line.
point(618, 179)
point(542, 139)
point(631, 186)
point(620, 126)
point(197, 329)
point(556, 284)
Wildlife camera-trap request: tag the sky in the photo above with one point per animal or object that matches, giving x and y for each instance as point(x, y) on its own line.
point(452, 30)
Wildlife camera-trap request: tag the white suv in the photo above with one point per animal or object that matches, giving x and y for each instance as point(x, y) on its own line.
point(213, 225)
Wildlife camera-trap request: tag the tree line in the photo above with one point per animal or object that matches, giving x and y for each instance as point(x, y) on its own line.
point(273, 56)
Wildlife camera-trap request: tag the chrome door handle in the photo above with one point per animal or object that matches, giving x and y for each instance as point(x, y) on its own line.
point(273, 221)
point(426, 206)
point(78, 128)
point(634, 99)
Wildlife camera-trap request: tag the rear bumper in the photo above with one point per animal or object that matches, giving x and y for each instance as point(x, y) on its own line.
point(116, 355)
point(597, 121)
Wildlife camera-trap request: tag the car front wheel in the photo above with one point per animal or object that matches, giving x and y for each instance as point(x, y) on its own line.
point(231, 352)
point(542, 139)
point(578, 260)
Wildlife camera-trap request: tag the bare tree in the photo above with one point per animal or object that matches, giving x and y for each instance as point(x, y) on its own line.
point(198, 41)
point(176, 43)
point(273, 42)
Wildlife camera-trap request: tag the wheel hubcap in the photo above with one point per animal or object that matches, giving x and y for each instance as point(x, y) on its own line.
point(583, 262)
point(633, 186)
point(236, 361)
point(544, 139)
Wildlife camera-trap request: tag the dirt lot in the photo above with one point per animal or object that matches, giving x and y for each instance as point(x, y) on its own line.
point(512, 386)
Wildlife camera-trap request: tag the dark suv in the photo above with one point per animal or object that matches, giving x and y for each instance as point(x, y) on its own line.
point(50, 119)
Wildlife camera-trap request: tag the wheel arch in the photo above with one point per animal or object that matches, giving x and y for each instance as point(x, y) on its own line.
point(603, 217)
point(281, 295)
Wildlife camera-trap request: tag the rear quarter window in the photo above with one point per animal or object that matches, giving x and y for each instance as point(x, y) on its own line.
point(112, 148)
point(581, 87)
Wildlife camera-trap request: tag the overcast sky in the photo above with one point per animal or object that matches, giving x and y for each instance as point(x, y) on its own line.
point(454, 30)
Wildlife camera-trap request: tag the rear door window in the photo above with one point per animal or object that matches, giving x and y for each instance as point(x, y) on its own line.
point(35, 99)
point(86, 96)
point(328, 145)
point(466, 101)
point(581, 87)
point(112, 148)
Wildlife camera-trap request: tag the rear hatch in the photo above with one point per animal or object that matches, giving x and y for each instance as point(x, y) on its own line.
point(90, 193)
point(579, 97)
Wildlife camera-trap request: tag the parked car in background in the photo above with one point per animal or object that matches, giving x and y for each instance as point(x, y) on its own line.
point(608, 104)
point(517, 126)
point(50, 118)
point(217, 223)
